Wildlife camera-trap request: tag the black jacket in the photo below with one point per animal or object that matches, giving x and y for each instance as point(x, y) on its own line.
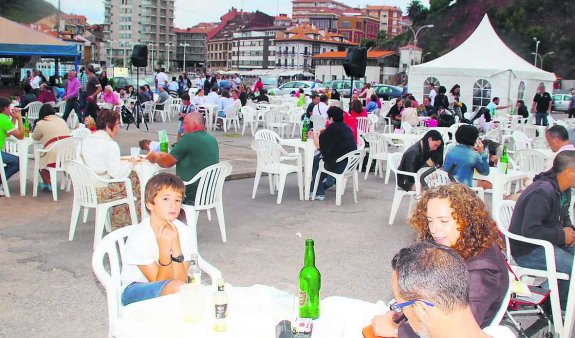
point(335, 141)
point(412, 160)
point(540, 213)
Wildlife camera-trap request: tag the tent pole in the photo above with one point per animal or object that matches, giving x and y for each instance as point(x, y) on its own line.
point(76, 62)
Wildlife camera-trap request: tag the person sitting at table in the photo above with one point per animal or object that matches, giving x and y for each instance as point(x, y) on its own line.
point(46, 94)
point(521, 109)
point(123, 93)
point(196, 150)
point(468, 155)
point(10, 125)
point(163, 96)
point(49, 129)
point(558, 139)
point(427, 152)
point(429, 109)
point(159, 249)
point(434, 290)
point(173, 87)
point(372, 105)
point(395, 113)
point(357, 109)
point(262, 97)
point(111, 97)
point(149, 145)
point(542, 212)
point(101, 153)
point(199, 99)
point(333, 142)
point(213, 97)
point(335, 95)
point(185, 108)
point(322, 107)
point(143, 94)
point(409, 114)
point(90, 123)
point(149, 92)
point(27, 98)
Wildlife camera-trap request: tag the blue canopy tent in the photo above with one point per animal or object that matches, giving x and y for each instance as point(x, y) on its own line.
point(19, 40)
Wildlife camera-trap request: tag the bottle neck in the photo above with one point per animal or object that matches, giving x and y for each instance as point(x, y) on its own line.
point(309, 259)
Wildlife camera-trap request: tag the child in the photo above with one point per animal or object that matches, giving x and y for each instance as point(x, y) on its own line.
point(149, 145)
point(90, 123)
point(159, 249)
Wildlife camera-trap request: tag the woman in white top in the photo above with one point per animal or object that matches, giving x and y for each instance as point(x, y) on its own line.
point(102, 154)
point(199, 99)
point(367, 92)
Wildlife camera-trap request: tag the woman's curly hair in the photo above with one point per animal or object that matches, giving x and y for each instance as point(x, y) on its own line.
point(477, 230)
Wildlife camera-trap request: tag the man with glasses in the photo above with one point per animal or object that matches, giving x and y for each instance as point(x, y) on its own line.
point(430, 283)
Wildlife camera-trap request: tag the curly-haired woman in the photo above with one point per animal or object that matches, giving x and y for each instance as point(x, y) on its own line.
point(454, 216)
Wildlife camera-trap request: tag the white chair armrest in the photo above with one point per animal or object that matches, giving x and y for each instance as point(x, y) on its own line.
point(406, 173)
point(211, 270)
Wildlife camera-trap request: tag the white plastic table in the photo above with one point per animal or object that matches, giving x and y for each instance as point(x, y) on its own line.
point(145, 170)
point(253, 312)
point(498, 180)
point(21, 149)
point(211, 112)
point(308, 154)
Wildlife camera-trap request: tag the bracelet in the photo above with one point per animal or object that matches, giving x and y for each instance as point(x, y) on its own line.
point(164, 264)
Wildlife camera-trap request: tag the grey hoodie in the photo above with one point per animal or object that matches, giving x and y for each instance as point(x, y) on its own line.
point(541, 213)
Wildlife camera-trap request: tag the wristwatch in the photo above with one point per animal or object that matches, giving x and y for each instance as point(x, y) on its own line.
point(178, 259)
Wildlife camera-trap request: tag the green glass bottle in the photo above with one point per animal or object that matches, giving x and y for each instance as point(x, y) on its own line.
point(309, 284)
point(304, 129)
point(163, 136)
point(26, 126)
point(504, 161)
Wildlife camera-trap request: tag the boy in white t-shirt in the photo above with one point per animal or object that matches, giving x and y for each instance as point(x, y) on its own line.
point(159, 249)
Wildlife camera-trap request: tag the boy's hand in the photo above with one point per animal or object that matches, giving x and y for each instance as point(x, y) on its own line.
point(165, 237)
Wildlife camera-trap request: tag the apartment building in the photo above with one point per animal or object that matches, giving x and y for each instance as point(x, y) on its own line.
point(304, 10)
point(149, 22)
point(389, 18)
point(255, 48)
point(356, 26)
point(296, 46)
point(191, 46)
point(381, 66)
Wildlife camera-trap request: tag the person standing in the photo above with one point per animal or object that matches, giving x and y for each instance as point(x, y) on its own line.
point(432, 93)
point(103, 79)
point(571, 109)
point(541, 106)
point(93, 88)
point(71, 97)
point(161, 78)
point(9, 118)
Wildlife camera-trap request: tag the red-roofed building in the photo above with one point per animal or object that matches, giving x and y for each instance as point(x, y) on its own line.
point(191, 45)
point(382, 65)
point(320, 13)
point(389, 18)
point(356, 26)
point(282, 20)
point(296, 46)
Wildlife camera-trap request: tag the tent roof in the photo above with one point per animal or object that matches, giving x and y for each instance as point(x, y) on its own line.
point(23, 40)
point(483, 54)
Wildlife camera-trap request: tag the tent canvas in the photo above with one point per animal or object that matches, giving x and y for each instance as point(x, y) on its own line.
point(483, 56)
point(24, 41)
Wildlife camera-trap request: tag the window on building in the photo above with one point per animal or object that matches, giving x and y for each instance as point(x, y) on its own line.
point(426, 83)
point(358, 24)
point(521, 91)
point(481, 93)
point(346, 24)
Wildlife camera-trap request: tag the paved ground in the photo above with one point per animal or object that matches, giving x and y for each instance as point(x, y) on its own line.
point(47, 288)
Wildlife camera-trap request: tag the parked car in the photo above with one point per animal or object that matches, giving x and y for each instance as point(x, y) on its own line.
point(387, 92)
point(344, 86)
point(561, 102)
point(292, 86)
point(270, 82)
point(131, 80)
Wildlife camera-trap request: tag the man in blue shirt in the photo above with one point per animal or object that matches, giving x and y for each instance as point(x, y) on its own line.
point(468, 155)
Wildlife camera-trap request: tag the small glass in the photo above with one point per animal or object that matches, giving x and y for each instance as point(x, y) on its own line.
point(193, 302)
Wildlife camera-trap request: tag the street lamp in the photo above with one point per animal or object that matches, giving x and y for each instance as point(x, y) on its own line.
point(414, 37)
point(168, 45)
point(152, 49)
point(541, 58)
point(536, 49)
point(185, 45)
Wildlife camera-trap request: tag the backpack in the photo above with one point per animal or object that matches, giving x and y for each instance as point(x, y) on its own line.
point(446, 120)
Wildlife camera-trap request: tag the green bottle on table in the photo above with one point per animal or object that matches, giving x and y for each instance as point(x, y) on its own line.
point(504, 161)
point(304, 129)
point(26, 126)
point(309, 284)
point(164, 147)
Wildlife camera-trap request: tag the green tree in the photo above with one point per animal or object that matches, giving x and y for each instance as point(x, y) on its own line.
point(416, 11)
point(367, 43)
point(161, 62)
point(381, 37)
point(437, 5)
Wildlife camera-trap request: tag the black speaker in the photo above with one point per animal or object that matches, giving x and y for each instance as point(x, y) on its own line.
point(355, 62)
point(140, 56)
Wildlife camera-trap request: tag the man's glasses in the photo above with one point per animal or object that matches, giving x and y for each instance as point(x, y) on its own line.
point(398, 307)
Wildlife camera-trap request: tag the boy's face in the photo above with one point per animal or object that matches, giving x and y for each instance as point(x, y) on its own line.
point(166, 205)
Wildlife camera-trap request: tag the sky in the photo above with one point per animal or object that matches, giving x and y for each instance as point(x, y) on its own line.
point(191, 12)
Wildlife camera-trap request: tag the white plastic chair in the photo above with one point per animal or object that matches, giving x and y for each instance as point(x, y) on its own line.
point(209, 195)
point(164, 111)
point(503, 215)
point(393, 161)
point(529, 130)
point(530, 161)
point(33, 112)
point(295, 119)
point(406, 127)
point(3, 177)
point(351, 169)
point(276, 119)
point(270, 158)
point(81, 132)
point(318, 122)
point(231, 117)
point(521, 141)
point(85, 182)
point(378, 152)
point(107, 263)
point(148, 111)
point(363, 124)
point(493, 134)
point(249, 117)
point(65, 149)
point(373, 121)
point(266, 134)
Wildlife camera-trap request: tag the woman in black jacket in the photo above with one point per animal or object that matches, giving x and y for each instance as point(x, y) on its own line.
point(427, 152)
point(441, 100)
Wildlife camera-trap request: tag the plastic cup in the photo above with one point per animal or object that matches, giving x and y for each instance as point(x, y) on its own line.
point(193, 300)
point(134, 151)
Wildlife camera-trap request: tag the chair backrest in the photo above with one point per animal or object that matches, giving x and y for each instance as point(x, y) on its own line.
point(436, 179)
point(266, 134)
point(360, 143)
point(84, 182)
point(11, 146)
point(66, 149)
point(373, 119)
point(520, 140)
point(33, 110)
point(529, 130)
point(363, 124)
point(318, 122)
point(352, 161)
point(377, 144)
point(493, 134)
point(148, 107)
point(406, 127)
point(295, 115)
point(167, 104)
point(107, 262)
point(177, 101)
point(248, 113)
point(274, 118)
point(393, 161)
point(81, 132)
point(561, 123)
point(530, 161)
point(268, 155)
point(231, 111)
point(503, 213)
point(211, 185)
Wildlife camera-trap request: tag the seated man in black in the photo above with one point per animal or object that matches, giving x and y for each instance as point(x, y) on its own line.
point(262, 96)
point(333, 142)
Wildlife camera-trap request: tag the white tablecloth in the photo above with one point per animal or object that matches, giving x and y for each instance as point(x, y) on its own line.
point(308, 154)
point(253, 312)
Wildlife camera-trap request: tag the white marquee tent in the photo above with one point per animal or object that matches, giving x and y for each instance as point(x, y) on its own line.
point(484, 67)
